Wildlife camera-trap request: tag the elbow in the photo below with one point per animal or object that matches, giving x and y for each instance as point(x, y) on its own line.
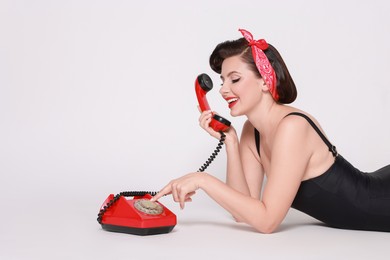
point(266, 228)
point(237, 219)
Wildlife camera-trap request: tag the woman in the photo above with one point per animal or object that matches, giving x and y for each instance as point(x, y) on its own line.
point(285, 144)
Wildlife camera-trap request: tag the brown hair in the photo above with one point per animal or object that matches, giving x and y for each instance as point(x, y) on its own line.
point(284, 83)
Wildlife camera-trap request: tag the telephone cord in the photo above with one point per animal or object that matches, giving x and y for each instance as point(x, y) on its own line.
point(214, 154)
point(153, 193)
point(116, 198)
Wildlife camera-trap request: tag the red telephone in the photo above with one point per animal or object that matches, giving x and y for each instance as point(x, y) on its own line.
point(204, 84)
point(139, 215)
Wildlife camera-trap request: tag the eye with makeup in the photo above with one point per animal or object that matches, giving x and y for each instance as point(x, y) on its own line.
point(232, 76)
point(235, 80)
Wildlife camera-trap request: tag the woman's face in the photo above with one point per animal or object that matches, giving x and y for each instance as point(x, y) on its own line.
point(241, 87)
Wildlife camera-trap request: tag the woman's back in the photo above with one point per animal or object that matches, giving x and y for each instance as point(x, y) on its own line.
point(345, 197)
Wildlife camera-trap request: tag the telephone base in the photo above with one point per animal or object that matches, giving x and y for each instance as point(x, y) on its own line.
point(137, 216)
point(138, 231)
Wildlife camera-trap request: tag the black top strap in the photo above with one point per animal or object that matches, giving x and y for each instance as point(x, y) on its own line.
point(257, 140)
point(331, 147)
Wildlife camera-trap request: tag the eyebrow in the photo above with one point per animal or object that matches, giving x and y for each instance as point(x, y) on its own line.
point(230, 73)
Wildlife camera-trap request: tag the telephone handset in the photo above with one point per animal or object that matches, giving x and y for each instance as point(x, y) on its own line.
point(139, 215)
point(204, 84)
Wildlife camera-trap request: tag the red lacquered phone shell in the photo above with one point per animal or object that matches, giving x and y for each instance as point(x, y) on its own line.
point(124, 217)
point(203, 84)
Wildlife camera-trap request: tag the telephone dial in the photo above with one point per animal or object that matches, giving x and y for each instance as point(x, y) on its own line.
point(140, 216)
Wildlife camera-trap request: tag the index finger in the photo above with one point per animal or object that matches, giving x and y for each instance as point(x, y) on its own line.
point(166, 190)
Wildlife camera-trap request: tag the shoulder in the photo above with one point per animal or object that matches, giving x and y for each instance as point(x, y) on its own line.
point(296, 121)
point(294, 128)
point(293, 144)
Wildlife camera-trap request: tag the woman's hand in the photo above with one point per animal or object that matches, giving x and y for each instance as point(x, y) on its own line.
point(183, 188)
point(204, 122)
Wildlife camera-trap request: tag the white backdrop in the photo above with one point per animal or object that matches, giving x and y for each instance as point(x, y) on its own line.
point(97, 97)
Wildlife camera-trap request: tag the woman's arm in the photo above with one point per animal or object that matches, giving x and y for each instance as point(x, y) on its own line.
point(235, 177)
point(290, 156)
point(251, 162)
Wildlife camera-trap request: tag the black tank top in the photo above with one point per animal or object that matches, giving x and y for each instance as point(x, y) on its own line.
point(343, 196)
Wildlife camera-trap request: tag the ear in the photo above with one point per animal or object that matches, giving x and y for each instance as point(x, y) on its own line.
point(263, 86)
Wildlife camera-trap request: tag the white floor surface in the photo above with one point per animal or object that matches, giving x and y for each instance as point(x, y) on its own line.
point(59, 227)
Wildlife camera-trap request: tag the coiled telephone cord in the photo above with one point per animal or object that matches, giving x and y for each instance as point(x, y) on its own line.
point(214, 154)
point(153, 193)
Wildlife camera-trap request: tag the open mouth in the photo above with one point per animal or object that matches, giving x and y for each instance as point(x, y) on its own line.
point(232, 101)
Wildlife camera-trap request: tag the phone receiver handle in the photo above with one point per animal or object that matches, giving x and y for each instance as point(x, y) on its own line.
point(219, 123)
point(204, 84)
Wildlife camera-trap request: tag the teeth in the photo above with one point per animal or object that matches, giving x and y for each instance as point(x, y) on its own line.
point(232, 100)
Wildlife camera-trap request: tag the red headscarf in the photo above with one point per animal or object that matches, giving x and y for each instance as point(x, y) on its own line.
point(262, 62)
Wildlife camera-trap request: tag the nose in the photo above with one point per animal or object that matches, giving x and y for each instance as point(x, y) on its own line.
point(224, 89)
